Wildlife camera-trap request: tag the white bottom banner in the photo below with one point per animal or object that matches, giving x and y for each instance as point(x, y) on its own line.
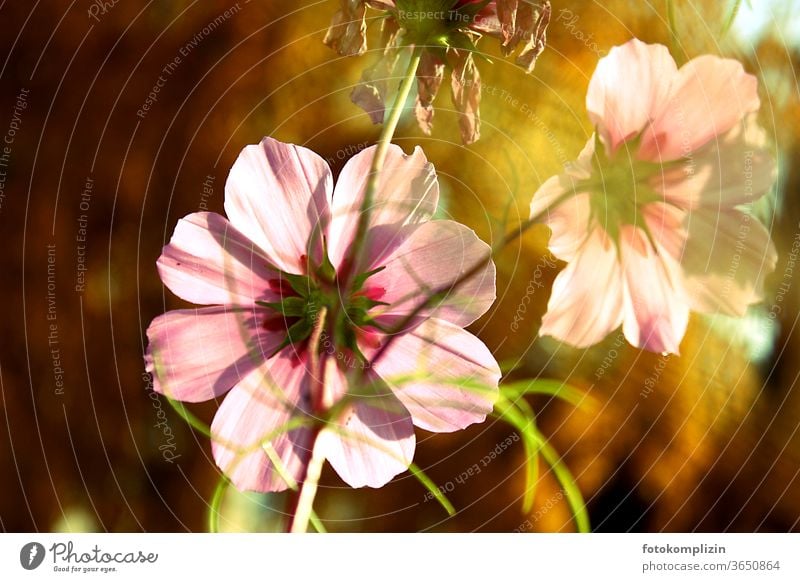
point(406, 557)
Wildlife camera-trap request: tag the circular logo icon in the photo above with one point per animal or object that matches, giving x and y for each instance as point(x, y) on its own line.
point(31, 555)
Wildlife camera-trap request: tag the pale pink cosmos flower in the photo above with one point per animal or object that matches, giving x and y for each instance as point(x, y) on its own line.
point(652, 220)
point(265, 274)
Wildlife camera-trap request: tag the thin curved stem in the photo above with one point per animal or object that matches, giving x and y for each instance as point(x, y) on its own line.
point(308, 491)
point(215, 506)
point(382, 149)
point(299, 502)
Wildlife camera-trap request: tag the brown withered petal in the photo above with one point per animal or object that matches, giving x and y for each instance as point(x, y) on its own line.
point(429, 78)
point(515, 23)
point(507, 15)
point(465, 82)
point(370, 93)
point(532, 21)
point(347, 34)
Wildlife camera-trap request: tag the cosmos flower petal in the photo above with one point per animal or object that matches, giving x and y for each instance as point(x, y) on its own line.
point(727, 257)
point(407, 193)
point(198, 354)
point(253, 416)
point(445, 376)
point(587, 297)
point(709, 96)
point(433, 256)
point(209, 262)
point(735, 169)
point(560, 204)
point(569, 225)
point(373, 439)
point(277, 195)
point(667, 227)
point(656, 313)
point(628, 87)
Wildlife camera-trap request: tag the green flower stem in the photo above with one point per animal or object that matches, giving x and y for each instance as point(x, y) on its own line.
point(216, 504)
point(384, 141)
point(188, 417)
point(308, 491)
point(302, 500)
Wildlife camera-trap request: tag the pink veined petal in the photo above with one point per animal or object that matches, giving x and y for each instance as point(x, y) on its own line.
point(561, 205)
point(586, 302)
point(445, 376)
point(568, 221)
point(628, 87)
point(656, 311)
point(432, 256)
point(728, 255)
point(199, 354)
point(209, 262)
point(407, 193)
point(709, 96)
point(667, 225)
point(258, 408)
point(736, 169)
point(373, 439)
point(278, 196)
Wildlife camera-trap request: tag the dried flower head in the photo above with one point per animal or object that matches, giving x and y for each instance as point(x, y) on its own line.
point(448, 30)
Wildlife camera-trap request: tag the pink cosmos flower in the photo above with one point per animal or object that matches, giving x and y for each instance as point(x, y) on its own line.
point(282, 258)
point(652, 220)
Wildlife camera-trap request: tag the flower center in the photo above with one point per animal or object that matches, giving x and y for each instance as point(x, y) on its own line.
point(304, 298)
point(619, 187)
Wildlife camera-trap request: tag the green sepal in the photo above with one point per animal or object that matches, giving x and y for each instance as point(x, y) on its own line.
point(326, 271)
point(290, 306)
point(358, 282)
point(297, 332)
point(300, 284)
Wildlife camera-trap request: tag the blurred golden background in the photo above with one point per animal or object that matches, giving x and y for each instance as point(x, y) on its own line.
point(98, 174)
